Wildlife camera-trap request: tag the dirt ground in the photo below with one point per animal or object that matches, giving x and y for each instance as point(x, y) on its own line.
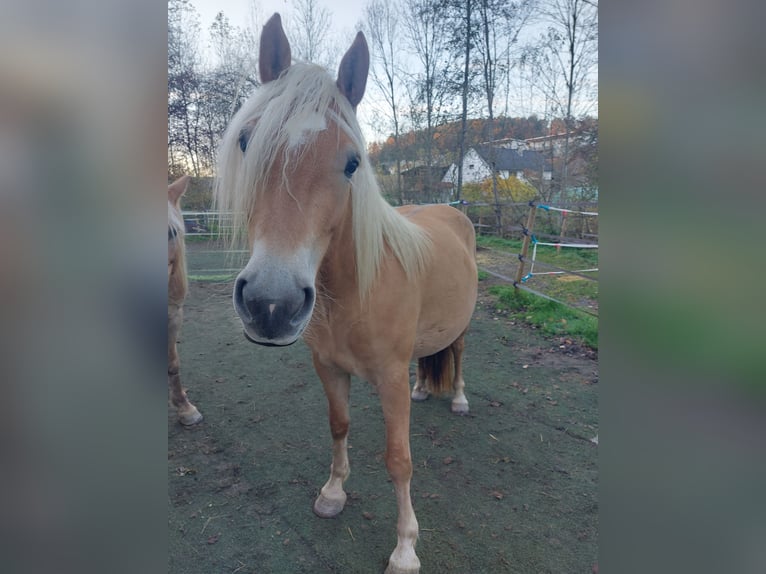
point(512, 487)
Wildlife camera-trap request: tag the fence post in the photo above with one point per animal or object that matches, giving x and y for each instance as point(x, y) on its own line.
point(525, 244)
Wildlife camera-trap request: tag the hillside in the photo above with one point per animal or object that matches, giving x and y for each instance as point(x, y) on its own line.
point(446, 137)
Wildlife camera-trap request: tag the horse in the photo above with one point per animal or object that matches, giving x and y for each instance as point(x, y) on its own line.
point(368, 287)
point(177, 286)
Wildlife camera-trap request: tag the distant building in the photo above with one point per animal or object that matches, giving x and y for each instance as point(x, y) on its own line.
point(514, 160)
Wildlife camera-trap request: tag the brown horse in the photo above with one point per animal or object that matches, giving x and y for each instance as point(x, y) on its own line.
point(187, 412)
point(368, 286)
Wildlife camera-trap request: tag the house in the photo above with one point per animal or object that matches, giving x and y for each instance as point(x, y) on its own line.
point(526, 165)
point(554, 142)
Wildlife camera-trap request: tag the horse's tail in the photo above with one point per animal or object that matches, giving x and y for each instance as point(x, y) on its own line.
point(438, 370)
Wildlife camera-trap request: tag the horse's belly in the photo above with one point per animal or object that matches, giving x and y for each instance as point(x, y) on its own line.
point(432, 337)
point(432, 342)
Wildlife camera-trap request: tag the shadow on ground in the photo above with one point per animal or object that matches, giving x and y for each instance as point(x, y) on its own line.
point(510, 488)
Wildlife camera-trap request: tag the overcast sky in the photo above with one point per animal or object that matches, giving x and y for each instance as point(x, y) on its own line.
point(345, 16)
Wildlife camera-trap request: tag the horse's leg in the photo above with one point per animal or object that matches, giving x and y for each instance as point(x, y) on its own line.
point(420, 390)
point(395, 401)
point(187, 412)
point(332, 498)
point(459, 402)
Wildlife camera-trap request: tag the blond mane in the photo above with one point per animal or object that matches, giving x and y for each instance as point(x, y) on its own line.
point(179, 281)
point(274, 115)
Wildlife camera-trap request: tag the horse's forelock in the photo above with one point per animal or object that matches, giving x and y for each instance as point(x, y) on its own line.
point(282, 118)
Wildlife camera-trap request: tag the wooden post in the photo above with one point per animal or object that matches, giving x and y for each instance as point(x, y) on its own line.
point(563, 230)
point(525, 244)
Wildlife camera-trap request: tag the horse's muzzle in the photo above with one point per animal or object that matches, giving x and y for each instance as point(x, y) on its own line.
point(269, 318)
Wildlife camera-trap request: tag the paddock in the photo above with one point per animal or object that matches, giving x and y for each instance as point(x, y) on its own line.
point(511, 487)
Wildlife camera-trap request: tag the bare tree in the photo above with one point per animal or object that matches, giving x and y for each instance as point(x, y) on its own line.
point(462, 40)
point(309, 38)
point(430, 86)
point(567, 58)
point(501, 23)
point(383, 28)
point(225, 85)
point(183, 87)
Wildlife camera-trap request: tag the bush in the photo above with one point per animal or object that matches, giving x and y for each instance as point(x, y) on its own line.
point(508, 189)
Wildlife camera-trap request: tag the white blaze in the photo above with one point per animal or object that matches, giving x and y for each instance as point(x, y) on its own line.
point(297, 127)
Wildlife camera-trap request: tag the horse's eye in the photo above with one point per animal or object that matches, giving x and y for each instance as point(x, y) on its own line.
point(351, 166)
point(243, 139)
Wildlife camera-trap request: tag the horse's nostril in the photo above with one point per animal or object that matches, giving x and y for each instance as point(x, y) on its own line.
point(239, 300)
point(305, 308)
point(308, 294)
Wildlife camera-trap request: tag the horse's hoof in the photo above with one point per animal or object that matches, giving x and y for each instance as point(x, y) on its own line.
point(419, 395)
point(460, 408)
point(190, 418)
point(327, 507)
point(397, 570)
point(403, 561)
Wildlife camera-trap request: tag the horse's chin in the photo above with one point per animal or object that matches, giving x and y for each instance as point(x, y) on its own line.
point(268, 343)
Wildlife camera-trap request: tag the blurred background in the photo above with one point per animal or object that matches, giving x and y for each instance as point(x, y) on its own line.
point(83, 118)
point(82, 188)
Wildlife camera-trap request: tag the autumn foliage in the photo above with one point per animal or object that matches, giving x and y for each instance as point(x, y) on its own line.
point(508, 189)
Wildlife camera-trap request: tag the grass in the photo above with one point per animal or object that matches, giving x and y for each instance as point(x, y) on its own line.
point(566, 257)
point(498, 242)
point(571, 289)
point(550, 317)
point(575, 291)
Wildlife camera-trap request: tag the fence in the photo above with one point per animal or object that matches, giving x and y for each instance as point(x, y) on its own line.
point(567, 222)
point(210, 259)
point(513, 272)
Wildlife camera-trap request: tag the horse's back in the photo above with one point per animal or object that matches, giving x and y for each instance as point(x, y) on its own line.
point(449, 288)
point(439, 217)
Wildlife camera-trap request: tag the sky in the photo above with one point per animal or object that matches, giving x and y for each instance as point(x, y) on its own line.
point(345, 14)
point(344, 17)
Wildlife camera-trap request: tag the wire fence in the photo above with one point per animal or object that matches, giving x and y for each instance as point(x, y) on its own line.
point(554, 282)
point(208, 257)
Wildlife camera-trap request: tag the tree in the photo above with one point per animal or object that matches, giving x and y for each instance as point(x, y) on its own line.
point(383, 28)
point(309, 39)
point(183, 87)
point(566, 60)
point(500, 25)
point(225, 84)
point(462, 41)
point(425, 25)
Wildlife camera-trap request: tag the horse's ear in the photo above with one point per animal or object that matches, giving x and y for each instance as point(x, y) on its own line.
point(274, 56)
point(352, 73)
point(177, 188)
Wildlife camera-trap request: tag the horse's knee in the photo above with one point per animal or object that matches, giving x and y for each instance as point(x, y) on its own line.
point(339, 428)
point(399, 465)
